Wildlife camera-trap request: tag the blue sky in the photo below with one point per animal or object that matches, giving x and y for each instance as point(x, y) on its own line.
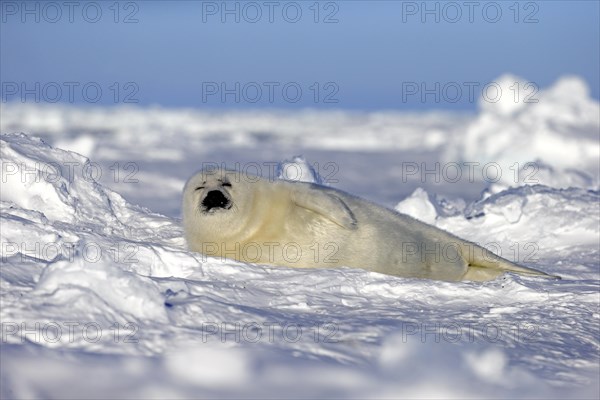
point(363, 55)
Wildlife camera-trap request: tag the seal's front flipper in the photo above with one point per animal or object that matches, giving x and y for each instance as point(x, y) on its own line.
point(327, 205)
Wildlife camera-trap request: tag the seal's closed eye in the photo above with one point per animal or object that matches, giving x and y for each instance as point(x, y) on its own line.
point(201, 187)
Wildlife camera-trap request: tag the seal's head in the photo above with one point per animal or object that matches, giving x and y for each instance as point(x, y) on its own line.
point(211, 192)
point(217, 201)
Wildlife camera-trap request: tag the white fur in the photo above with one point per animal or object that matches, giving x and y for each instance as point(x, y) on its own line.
point(305, 225)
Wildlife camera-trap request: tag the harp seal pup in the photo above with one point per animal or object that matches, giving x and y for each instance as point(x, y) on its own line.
point(235, 215)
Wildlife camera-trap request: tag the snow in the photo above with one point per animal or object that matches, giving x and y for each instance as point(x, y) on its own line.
point(100, 297)
point(418, 205)
point(530, 126)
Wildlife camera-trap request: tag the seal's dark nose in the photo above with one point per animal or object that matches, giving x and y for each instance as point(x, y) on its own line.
point(215, 199)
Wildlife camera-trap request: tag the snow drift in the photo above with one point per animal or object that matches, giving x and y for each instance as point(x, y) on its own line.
point(100, 298)
point(557, 128)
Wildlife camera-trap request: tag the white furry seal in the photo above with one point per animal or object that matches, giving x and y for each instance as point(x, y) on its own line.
point(252, 219)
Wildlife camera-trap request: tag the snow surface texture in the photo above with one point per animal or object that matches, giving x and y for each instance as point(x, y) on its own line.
point(100, 298)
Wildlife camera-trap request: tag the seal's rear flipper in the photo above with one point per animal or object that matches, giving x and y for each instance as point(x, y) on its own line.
point(481, 274)
point(485, 265)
